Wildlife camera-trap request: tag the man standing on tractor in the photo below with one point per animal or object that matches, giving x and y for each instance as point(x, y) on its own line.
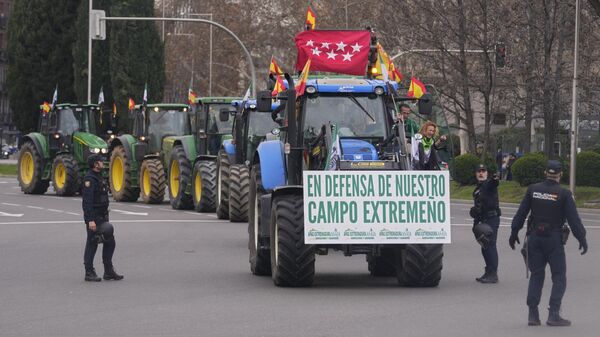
point(95, 214)
point(410, 126)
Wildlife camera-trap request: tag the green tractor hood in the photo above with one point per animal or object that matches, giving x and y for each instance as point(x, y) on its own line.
point(89, 140)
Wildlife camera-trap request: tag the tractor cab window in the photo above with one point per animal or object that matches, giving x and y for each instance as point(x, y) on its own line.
point(80, 119)
point(260, 124)
point(356, 116)
point(163, 123)
point(215, 125)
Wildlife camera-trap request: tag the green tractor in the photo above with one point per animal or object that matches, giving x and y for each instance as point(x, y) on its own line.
point(59, 151)
point(192, 160)
point(137, 159)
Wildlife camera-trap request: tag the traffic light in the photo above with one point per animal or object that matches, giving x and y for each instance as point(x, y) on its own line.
point(500, 55)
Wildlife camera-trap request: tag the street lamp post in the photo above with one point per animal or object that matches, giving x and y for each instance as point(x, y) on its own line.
point(574, 127)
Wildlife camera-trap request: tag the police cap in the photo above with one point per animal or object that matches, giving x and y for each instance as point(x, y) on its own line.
point(480, 167)
point(554, 167)
point(93, 159)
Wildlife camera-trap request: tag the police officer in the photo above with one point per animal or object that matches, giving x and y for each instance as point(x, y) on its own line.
point(486, 210)
point(95, 214)
point(550, 205)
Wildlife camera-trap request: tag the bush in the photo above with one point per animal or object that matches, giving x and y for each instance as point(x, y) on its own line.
point(463, 168)
point(490, 163)
point(588, 169)
point(529, 169)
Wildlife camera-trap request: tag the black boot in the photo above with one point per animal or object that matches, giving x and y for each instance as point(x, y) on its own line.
point(478, 279)
point(534, 316)
point(110, 273)
point(90, 275)
point(554, 319)
point(492, 277)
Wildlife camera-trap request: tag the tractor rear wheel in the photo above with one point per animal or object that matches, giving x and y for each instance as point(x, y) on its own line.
point(180, 176)
point(239, 182)
point(222, 186)
point(420, 265)
point(384, 264)
point(31, 169)
point(260, 258)
point(204, 186)
point(121, 180)
point(65, 175)
point(152, 181)
point(292, 261)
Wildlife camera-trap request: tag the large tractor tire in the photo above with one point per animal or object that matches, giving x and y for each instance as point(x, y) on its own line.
point(384, 264)
point(239, 182)
point(152, 181)
point(204, 186)
point(65, 175)
point(292, 261)
point(120, 177)
point(180, 177)
point(222, 206)
point(31, 169)
point(260, 258)
point(420, 265)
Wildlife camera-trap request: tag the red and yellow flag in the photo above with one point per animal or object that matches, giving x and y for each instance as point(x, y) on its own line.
point(131, 104)
point(311, 19)
point(279, 86)
point(192, 97)
point(416, 89)
point(390, 70)
point(301, 85)
point(114, 112)
point(45, 107)
point(274, 68)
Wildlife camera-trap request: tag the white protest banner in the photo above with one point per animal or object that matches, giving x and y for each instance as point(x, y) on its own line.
point(361, 207)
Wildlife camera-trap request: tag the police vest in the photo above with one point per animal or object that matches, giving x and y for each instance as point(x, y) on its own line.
point(547, 200)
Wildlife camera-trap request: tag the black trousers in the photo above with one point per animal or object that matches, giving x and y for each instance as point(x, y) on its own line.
point(108, 249)
point(490, 253)
point(544, 250)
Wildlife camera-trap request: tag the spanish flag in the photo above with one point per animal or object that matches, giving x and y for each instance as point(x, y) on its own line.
point(131, 104)
point(416, 89)
point(301, 85)
point(310, 19)
point(279, 86)
point(46, 107)
point(274, 68)
point(191, 97)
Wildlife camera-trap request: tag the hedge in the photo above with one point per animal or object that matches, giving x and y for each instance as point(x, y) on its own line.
point(462, 169)
point(588, 169)
point(529, 169)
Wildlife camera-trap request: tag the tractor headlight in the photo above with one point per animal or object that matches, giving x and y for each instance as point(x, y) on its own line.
point(56, 135)
point(379, 90)
point(95, 150)
point(311, 90)
point(104, 150)
point(143, 138)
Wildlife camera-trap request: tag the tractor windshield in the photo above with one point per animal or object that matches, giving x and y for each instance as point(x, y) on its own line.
point(356, 116)
point(260, 124)
point(78, 119)
point(214, 124)
point(164, 123)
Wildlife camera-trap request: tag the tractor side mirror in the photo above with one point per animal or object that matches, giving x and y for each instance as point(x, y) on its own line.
point(425, 104)
point(263, 101)
point(224, 114)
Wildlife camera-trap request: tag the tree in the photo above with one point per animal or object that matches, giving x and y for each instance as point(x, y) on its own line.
point(41, 34)
point(100, 53)
point(136, 54)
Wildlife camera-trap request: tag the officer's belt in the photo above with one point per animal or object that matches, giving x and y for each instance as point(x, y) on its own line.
point(552, 226)
point(490, 214)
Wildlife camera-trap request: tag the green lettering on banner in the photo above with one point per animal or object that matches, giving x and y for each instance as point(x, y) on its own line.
point(353, 212)
point(421, 189)
point(422, 206)
point(381, 185)
point(375, 217)
point(393, 212)
point(401, 211)
point(311, 207)
point(328, 186)
point(441, 211)
point(322, 217)
point(332, 212)
point(434, 186)
point(384, 209)
point(388, 186)
point(411, 211)
point(442, 182)
point(343, 210)
point(366, 216)
point(431, 212)
point(371, 187)
point(413, 184)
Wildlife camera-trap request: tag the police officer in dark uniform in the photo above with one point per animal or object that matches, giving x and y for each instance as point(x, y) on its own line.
point(487, 210)
point(550, 205)
point(95, 214)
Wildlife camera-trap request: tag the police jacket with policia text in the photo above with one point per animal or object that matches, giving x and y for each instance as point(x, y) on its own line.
point(485, 197)
point(94, 198)
point(550, 205)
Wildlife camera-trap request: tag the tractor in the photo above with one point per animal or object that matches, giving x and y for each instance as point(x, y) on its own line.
point(250, 128)
point(137, 159)
point(358, 112)
point(191, 159)
point(58, 152)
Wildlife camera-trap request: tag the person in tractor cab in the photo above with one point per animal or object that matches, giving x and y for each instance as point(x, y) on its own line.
point(425, 146)
point(410, 126)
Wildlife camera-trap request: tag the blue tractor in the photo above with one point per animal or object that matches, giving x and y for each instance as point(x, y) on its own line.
point(250, 128)
point(360, 112)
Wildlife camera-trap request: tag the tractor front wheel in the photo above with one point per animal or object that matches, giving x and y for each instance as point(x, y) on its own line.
point(204, 187)
point(65, 175)
point(180, 174)
point(420, 265)
point(152, 181)
point(31, 169)
point(120, 177)
point(260, 257)
point(222, 186)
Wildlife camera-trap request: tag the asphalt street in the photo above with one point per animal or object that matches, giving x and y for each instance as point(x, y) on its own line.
point(187, 274)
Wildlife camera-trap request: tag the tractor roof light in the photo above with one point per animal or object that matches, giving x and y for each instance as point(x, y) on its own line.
point(374, 71)
point(156, 109)
point(143, 138)
point(311, 89)
point(379, 90)
point(185, 109)
point(287, 148)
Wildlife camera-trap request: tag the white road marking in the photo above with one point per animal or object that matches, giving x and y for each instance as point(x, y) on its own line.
point(167, 209)
point(141, 206)
point(55, 210)
point(35, 207)
point(128, 212)
point(211, 215)
point(9, 204)
point(192, 213)
point(112, 221)
point(11, 215)
point(72, 213)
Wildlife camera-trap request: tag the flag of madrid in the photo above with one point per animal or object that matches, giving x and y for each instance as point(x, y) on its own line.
point(336, 51)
